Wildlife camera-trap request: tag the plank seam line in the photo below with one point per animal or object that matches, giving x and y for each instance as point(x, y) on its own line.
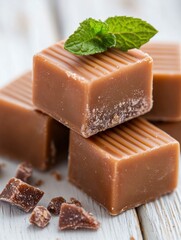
point(140, 223)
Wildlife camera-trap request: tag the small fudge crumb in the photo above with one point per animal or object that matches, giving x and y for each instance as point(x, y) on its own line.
point(21, 194)
point(75, 201)
point(39, 183)
point(55, 204)
point(56, 175)
point(40, 216)
point(132, 238)
point(75, 217)
point(24, 171)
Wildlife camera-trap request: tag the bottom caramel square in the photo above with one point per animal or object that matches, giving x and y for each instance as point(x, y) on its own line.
point(125, 166)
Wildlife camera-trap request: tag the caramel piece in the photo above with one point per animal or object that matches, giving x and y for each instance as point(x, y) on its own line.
point(125, 166)
point(92, 93)
point(75, 201)
point(24, 172)
point(56, 175)
point(166, 81)
point(40, 216)
point(75, 217)
point(38, 183)
point(172, 128)
point(21, 194)
point(55, 204)
point(27, 134)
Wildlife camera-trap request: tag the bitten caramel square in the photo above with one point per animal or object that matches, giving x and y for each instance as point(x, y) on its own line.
point(92, 93)
point(125, 166)
point(166, 81)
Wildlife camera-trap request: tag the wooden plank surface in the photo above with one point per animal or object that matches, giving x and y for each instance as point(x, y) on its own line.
point(161, 219)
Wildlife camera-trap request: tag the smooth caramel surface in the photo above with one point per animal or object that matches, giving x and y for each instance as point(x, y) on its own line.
point(166, 56)
point(89, 94)
point(27, 134)
point(19, 92)
point(125, 166)
point(166, 81)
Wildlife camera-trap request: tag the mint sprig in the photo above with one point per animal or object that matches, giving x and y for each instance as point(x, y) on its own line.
point(94, 36)
point(130, 32)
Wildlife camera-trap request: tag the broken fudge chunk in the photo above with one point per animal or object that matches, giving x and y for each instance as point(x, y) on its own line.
point(55, 204)
point(24, 171)
point(21, 194)
point(89, 94)
point(56, 175)
point(40, 216)
point(75, 201)
point(75, 217)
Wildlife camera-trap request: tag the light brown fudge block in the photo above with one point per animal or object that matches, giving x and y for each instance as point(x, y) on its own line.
point(25, 133)
point(166, 81)
point(92, 93)
point(125, 166)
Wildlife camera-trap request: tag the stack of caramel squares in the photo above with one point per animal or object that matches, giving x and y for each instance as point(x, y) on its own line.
point(115, 156)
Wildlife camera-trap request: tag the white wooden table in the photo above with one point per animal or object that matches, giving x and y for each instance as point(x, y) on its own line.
point(29, 26)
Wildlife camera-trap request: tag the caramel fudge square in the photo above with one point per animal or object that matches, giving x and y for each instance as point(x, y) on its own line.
point(166, 81)
point(125, 166)
point(89, 94)
point(25, 133)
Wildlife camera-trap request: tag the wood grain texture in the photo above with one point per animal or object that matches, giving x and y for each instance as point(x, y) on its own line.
point(161, 219)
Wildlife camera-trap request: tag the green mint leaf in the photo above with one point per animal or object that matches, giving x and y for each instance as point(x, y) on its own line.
point(130, 32)
point(91, 37)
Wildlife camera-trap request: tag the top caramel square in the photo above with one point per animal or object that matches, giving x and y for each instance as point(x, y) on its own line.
point(92, 93)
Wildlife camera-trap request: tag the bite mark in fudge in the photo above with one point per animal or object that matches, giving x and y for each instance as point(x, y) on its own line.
point(55, 205)
point(166, 81)
point(40, 216)
point(24, 171)
point(75, 217)
point(21, 194)
point(92, 93)
point(126, 166)
point(27, 134)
